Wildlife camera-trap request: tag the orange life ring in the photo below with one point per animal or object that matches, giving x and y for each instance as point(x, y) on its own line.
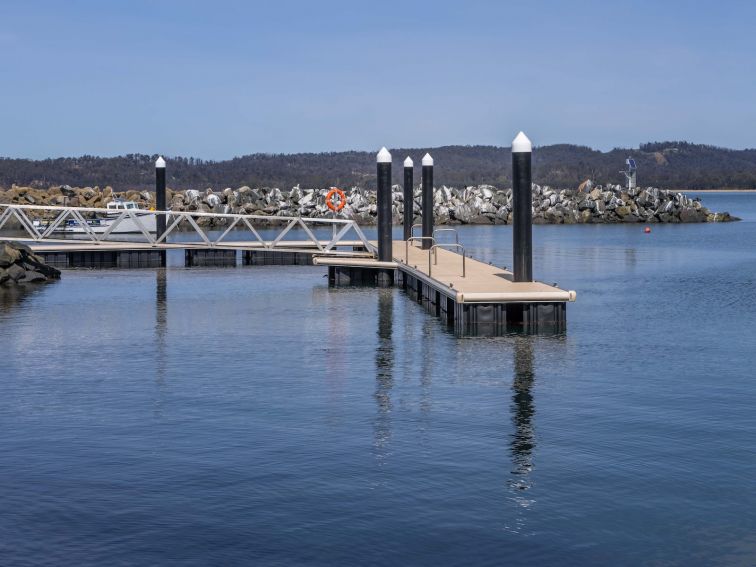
point(342, 199)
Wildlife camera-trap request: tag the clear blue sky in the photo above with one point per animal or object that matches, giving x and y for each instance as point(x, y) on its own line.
point(217, 79)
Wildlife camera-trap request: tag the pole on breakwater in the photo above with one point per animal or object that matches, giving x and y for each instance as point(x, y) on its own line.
point(409, 197)
point(522, 233)
point(427, 201)
point(160, 197)
point(385, 252)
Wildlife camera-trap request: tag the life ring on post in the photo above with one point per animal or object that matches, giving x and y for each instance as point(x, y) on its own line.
point(342, 199)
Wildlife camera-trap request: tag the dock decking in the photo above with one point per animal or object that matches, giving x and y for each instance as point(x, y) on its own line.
point(443, 269)
point(483, 301)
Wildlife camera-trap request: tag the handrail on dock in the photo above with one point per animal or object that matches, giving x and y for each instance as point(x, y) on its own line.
point(420, 239)
point(454, 230)
point(416, 239)
point(435, 248)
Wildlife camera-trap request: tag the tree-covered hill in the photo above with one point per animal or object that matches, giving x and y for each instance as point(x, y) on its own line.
point(673, 165)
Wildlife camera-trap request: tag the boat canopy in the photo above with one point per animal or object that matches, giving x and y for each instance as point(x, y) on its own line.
point(122, 205)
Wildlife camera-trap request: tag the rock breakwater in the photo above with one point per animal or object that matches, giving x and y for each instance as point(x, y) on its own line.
point(19, 265)
point(481, 204)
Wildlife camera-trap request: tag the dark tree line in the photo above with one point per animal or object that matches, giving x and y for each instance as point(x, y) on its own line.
point(672, 165)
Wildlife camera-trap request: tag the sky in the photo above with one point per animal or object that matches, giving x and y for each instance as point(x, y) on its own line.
point(220, 79)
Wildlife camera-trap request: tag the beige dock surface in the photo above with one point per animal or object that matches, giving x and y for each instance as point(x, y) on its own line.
point(481, 282)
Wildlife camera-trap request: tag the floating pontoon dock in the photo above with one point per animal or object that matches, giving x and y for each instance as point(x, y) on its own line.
point(475, 297)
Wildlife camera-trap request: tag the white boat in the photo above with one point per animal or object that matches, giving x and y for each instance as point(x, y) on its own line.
point(127, 225)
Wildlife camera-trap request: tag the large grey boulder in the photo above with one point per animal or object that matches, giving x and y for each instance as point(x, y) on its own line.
point(191, 196)
point(463, 213)
point(308, 198)
point(15, 272)
point(212, 200)
point(8, 255)
point(487, 192)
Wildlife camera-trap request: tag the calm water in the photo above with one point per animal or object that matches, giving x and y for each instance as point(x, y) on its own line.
point(253, 416)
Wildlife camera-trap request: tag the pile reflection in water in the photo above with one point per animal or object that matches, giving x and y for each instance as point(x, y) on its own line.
point(384, 375)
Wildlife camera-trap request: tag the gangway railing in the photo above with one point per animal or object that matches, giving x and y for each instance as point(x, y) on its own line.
point(55, 217)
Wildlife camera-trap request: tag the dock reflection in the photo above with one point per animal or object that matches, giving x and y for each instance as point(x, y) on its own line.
point(523, 440)
point(161, 303)
point(523, 411)
point(426, 369)
point(161, 332)
point(384, 373)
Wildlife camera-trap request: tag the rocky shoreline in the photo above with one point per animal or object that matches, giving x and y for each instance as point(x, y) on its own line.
point(481, 204)
point(19, 265)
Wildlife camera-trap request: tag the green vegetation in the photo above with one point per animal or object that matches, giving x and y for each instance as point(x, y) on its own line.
point(672, 165)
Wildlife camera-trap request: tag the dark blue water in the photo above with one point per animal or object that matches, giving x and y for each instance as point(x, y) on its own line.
point(252, 416)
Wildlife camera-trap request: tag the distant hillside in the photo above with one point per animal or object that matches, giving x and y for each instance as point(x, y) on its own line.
point(671, 165)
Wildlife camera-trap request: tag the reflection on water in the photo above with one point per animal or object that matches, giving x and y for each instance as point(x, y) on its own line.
point(523, 410)
point(161, 303)
point(426, 366)
point(522, 444)
point(14, 296)
point(384, 372)
point(161, 329)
